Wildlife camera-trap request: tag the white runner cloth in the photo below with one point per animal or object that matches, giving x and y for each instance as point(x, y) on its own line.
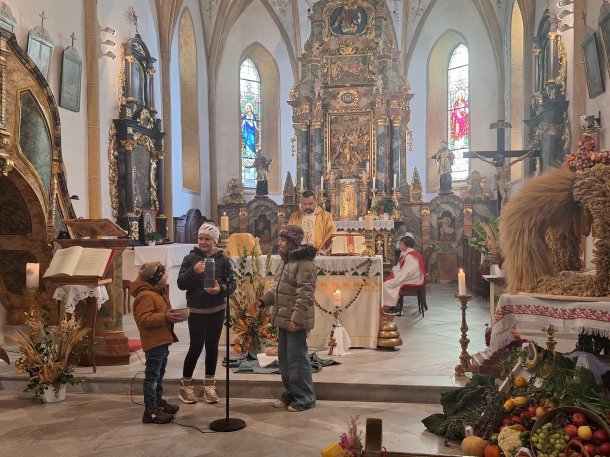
point(378, 224)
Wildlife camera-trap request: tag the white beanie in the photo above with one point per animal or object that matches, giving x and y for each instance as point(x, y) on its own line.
point(211, 230)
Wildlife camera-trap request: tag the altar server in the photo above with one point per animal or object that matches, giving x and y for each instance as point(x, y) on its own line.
point(409, 270)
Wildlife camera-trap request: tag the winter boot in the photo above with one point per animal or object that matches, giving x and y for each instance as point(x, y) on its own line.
point(209, 391)
point(156, 416)
point(187, 395)
point(168, 407)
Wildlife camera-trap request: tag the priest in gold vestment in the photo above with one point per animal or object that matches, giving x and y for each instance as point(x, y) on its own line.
point(317, 223)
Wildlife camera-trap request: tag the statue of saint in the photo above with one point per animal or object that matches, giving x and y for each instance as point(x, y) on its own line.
point(261, 164)
point(444, 158)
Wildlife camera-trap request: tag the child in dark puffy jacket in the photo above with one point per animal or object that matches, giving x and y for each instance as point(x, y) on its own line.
point(155, 319)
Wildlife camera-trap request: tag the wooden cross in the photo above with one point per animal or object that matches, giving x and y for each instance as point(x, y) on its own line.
point(42, 17)
point(332, 344)
point(73, 38)
point(498, 158)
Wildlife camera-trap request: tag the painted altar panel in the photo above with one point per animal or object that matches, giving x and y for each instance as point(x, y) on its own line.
point(348, 70)
point(349, 142)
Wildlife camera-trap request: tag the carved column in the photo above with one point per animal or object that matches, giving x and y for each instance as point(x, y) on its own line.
point(396, 147)
point(127, 151)
point(302, 134)
point(382, 154)
point(316, 159)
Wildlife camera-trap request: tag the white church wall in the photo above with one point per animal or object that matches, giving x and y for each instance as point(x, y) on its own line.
point(62, 19)
point(464, 19)
point(112, 13)
point(254, 25)
point(183, 200)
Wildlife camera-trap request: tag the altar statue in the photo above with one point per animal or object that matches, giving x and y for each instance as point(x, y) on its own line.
point(261, 163)
point(444, 158)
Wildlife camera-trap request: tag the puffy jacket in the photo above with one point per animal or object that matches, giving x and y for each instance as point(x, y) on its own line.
point(192, 282)
point(149, 308)
point(293, 296)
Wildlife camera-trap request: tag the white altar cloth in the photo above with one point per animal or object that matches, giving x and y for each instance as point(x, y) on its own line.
point(75, 293)
point(378, 224)
point(570, 316)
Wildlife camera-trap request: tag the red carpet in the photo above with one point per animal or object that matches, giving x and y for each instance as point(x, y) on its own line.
point(134, 344)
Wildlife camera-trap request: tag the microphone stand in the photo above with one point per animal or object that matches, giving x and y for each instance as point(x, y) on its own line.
point(228, 424)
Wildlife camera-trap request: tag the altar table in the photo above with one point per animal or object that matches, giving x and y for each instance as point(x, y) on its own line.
point(568, 316)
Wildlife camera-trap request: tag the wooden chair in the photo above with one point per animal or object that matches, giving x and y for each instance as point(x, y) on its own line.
point(410, 290)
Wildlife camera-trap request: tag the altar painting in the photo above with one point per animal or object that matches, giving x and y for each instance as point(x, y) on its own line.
point(349, 142)
point(348, 19)
point(347, 70)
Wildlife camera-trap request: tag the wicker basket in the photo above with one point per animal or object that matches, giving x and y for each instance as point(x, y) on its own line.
point(592, 419)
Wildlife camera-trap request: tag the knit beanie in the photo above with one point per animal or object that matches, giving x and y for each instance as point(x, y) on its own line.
point(211, 230)
point(292, 233)
point(151, 272)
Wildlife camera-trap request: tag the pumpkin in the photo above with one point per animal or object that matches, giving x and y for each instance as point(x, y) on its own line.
point(474, 445)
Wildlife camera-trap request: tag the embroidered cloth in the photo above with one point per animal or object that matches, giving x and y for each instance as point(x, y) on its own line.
point(75, 293)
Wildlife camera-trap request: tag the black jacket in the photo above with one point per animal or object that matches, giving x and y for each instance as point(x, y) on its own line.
point(192, 282)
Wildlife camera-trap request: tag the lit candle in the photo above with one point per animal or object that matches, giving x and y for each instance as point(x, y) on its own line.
point(461, 283)
point(224, 222)
point(337, 298)
point(368, 222)
point(301, 184)
point(32, 275)
point(321, 183)
point(395, 180)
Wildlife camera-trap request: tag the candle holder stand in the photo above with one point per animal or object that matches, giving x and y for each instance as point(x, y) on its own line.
point(369, 242)
point(332, 341)
point(321, 199)
point(224, 239)
point(465, 364)
point(31, 293)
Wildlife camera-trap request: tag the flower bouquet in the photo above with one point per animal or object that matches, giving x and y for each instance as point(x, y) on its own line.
point(486, 240)
point(350, 443)
point(46, 352)
point(252, 327)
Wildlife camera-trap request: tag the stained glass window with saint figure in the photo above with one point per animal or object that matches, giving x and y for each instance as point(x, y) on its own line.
point(250, 110)
point(458, 115)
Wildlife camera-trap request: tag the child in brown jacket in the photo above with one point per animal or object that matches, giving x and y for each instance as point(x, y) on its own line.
point(155, 319)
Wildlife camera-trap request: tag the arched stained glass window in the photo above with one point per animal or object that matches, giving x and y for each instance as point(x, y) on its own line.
point(458, 114)
point(250, 111)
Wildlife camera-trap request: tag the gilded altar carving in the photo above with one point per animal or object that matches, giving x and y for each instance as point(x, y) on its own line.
point(235, 193)
point(347, 202)
point(348, 18)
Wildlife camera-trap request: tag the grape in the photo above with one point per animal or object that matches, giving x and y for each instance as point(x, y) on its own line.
point(549, 440)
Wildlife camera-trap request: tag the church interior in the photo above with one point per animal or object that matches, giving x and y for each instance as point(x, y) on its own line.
point(475, 127)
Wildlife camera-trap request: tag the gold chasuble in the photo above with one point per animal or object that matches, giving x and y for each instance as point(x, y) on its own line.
point(323, 228)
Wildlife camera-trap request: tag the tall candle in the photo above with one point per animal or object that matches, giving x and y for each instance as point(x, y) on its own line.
point(374, 181)
point(394, 180)
point(32, 275)
point(224, 222)
point(368, 166)
point(301, 184)
point(321, 183)
point(337, 297)
point(328, 166)
point(461, 283)
point(368, 222)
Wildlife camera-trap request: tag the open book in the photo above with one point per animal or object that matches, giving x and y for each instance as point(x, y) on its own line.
point(80, 261)
point(348, 244)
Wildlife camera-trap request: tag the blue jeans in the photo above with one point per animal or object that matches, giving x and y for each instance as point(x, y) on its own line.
point(156, 361)
point(295, 368)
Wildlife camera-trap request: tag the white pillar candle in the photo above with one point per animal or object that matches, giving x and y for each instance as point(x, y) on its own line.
point(321, 183)
point(32, 275)
point(368, 222)
point(461, 283)
point(301, 184)
point(337, 297)
point(374, 181)
point(224, 223)
point(328, 166)
point(395, 180)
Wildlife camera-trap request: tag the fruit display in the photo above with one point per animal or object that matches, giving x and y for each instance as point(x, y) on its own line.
point(587, 155)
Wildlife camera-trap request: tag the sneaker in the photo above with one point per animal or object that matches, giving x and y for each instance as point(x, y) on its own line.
point(168, 407)
point(210, 395)
point(156, 416)
point(279, 403)
point(187, 395)
point(392, 311)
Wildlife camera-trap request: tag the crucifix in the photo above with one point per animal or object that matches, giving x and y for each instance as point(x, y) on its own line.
point(73, 38)
point(42, 18)
point(498, 158)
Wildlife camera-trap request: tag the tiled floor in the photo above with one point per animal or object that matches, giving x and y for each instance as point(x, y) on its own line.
point(400, 387)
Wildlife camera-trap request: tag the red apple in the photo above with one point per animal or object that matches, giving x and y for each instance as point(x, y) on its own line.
point(585, 433)
point(532, 411)
point(591, 449)
point(506, 421)
point(579, 419)
point(492, 450)
point(571, 430)
point(604, 448)
point(599, 436)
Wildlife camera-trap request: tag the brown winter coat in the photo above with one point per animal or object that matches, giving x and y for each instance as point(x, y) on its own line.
point(293, 296)
point(149, 308)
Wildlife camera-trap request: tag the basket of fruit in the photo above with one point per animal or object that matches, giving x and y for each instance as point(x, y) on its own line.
point(570, 431)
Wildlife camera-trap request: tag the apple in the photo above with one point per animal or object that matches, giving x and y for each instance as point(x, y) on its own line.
point(599, 436)
point(571, 430)
point(604, 448)
point(532, 411)
point(579, 419)
point(591, 449)
point(492, 450)
point(585, 433)
point(506, 421)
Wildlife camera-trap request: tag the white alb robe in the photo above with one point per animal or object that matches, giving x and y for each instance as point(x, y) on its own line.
point(409, 273)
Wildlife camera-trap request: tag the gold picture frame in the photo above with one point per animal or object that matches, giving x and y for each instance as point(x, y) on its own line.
point(350, 143)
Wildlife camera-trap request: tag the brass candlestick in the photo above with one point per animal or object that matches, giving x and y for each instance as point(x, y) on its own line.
point(465, 364)
point(32, 293)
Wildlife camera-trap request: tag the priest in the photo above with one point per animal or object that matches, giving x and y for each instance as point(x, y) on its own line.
point(316, 222)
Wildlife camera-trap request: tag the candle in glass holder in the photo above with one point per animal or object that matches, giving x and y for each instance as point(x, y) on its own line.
point(224, 222)
point(368, 222)
point(337, 298)
point(461, 283)
point(32, 275)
